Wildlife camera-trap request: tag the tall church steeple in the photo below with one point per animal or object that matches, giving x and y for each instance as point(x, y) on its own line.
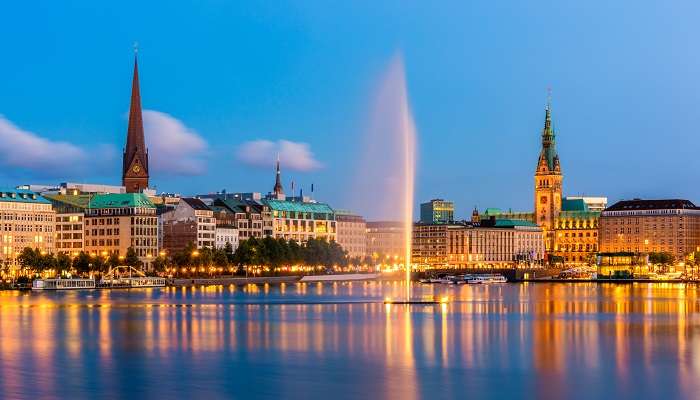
point(135, 161)
point(278, 190)
point(548, 181)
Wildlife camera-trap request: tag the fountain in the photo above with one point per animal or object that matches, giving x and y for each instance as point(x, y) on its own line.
point(389, 161)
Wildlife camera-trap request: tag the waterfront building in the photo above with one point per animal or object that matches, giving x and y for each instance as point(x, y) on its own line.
point(437, 211)
point(252, 219)
point(569, 223)
point(548, 182)
point(301, 221)
point(226, 235)
point(386, 240)
point(651, 226)
point(26, 220)
point(352, 233)
point(70, 215)
point(115, 222)
point(135, 173)
point(492, 242)
point(191, 221)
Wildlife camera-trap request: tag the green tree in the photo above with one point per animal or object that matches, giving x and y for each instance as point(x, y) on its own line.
point(159, 263)
point(82, 262)
point(131, 258)
point(63, 262)
point(29, 258)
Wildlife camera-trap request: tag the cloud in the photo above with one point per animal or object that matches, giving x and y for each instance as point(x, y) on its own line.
point(24, 150)
point(263, 153)
point(173, 148)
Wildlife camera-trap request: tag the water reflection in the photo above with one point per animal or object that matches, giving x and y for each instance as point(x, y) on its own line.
point(306, 340)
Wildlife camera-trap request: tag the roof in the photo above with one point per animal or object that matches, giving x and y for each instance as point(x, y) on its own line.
point(511, 223)
point(21, 196)
point(77, 201)
point(573, 205)
point(664, 204)
point(120, 200)
point(283, 205)
point(196, 204)
point(579, 214)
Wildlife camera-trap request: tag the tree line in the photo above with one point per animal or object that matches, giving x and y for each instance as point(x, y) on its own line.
point(82, 262)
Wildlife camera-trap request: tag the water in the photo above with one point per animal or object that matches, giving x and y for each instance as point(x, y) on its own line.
point(302, 341)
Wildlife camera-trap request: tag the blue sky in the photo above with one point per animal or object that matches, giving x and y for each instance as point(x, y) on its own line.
point(222, 75)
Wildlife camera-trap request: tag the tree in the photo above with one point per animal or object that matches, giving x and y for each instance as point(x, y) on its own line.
point(131, 258)
point(63, 262)
point(29, 258)
point(159, 264)
point(82, 262)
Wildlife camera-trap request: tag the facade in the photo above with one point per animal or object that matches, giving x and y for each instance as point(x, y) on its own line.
point(437, 211)
point(115, 222)
point(651, 226)
point(250, 218)
point(576, 230)
point(493, 242)
point(386, 240)
point(135, 159)
point(548, 183)
point(300, 221)
point(224, 235)
point(352, 233)
point(191, 221)
point(26, 220)
point(592, 203)
point(70, 225)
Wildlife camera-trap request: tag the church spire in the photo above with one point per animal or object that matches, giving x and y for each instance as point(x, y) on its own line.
point(278, 190)
point(135, 162)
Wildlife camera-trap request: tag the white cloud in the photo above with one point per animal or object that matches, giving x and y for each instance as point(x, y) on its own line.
point(26, 150)
point(173, 148)
point(263, 153)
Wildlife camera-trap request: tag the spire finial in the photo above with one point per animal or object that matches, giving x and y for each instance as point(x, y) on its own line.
point(136, 48)
point(549, 97)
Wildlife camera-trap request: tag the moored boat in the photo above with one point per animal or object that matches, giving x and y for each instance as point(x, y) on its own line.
point(63, 284)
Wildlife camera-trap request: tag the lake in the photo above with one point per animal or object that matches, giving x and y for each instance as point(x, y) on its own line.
point(338, 340)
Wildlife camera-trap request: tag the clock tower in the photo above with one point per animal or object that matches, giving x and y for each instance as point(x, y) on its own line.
point(135, 161)
point(548, 182)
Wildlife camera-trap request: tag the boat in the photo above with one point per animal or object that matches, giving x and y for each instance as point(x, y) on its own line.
point(63, 284)
point(129, 277)
point(486, 278)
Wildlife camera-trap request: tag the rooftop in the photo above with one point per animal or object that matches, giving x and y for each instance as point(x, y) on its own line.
point(664, 204)
point(120, 200)
point(21, 196)
point(77, 201)
point(196, 204)
point(282, 205)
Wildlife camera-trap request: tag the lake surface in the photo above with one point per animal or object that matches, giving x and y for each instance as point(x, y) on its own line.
point(339, 341)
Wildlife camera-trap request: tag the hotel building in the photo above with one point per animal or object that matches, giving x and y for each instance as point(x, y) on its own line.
point(301, 221)
point(115, 222)
point(493, 242)
point(26, 220)
point(70, 220)
point(651, 226)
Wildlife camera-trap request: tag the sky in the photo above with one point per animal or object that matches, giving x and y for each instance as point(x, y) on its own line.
point(226, 86)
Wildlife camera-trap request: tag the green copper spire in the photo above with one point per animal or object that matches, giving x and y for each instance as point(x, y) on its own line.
point(548, 153)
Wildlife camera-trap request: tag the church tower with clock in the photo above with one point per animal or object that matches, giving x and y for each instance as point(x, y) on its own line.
point(135, 161)
point(548, 182)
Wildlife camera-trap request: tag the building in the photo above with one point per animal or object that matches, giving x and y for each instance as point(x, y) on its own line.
point(352, 233)
point(135, 159)
point(252, 219)
point(548, 183)
point(651, 226)
point(70, 225)
point(386, 240)
point(26, 220)
point(301, 221)
point(592, 203)
point(191, 221)
point(569, 223)
point(437, 211)
point(116, 222)
point(492, 242)
point(576, 231)
point(226, 235)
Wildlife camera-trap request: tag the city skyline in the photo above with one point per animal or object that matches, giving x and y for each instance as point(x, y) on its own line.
point(74, 127)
